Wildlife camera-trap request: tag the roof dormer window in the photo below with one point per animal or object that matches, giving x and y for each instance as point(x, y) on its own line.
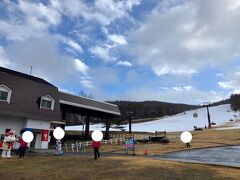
point(47, 102)
point(5, 93)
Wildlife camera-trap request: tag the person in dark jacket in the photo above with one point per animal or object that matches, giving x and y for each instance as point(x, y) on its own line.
point(96, 145)
point(22, 148)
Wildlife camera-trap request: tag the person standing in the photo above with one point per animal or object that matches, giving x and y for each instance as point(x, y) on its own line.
point(7, 144)
point(22, 148)
point(58, 148)
point(188, 145)
point(96, 145)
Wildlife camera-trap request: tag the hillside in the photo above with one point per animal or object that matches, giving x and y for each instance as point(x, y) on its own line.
point(185, 121)
point(150, 109)
point(181, 122)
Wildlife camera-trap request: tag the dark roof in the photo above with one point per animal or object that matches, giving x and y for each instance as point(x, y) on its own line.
point(26, 95)
point(19, 74)
point(83, 102)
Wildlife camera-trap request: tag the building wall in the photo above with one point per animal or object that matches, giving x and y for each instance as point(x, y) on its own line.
point(40, 125)
point(12, 122)
point(37, 124)
point(18, 123)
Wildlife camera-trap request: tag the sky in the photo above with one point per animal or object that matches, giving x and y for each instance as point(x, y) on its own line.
point(182, 51)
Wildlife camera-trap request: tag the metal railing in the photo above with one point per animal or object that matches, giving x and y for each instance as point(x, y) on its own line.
point(81, 146)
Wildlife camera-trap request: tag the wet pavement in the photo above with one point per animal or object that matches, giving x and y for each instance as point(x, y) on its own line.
point(228, 156)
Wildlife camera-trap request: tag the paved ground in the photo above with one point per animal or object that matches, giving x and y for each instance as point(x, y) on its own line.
point(229, 156)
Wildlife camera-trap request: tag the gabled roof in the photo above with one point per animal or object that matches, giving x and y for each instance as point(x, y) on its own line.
point(87, 103)
point(19, 74)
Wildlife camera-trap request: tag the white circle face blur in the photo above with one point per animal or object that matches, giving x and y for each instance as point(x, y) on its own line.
point(186, 137)
point(97, 135)
point(27, 136)
point(58, 133)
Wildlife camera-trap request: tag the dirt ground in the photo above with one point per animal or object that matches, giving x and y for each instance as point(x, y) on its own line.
point(77, 167)
point(127, 167)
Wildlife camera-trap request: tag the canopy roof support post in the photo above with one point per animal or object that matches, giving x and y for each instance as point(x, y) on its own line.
point(107, 129)
point(64, 117)
point(87, 126)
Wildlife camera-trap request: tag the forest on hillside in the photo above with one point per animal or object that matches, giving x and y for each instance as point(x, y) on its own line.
point(235, 102)
point(150, 109)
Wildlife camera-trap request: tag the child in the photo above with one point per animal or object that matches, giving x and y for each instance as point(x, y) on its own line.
point(22, 148)
point(96, 145)
point(58, 148)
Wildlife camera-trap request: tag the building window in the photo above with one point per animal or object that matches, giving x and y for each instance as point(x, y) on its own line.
point(47, 102)
point(5, 93)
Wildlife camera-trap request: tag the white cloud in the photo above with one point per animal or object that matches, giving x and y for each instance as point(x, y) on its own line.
point(185, 38)
point(28, 19)
point(3, 58)
point(182, 88)
point(103, 12)
point(226, 85)
point(80, 66)
point(189, 87)
point(177, 88)
point(124, 63)
point(20, 32)
point(236, 91)
point(41, 12)
point(103, 76)
point(164, 88)
point(117, 39)
point(86, 82)
point(75, 46)
point(219, 75)
point(192, 96)
point(47, 62)
point(231, 83)
point(102, 52)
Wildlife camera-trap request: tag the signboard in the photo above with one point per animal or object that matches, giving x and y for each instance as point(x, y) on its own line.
point(44, 135)
point(130, 144)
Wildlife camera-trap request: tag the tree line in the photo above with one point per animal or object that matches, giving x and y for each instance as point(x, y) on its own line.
point(235, 102)
point(150, 109)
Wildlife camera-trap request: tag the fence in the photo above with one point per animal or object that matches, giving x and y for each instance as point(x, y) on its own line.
point(81, 146)
point(136, 135)
point(173, 138)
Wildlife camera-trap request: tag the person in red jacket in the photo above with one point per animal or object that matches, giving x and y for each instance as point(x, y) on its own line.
point(96, 145)
point(22, 148)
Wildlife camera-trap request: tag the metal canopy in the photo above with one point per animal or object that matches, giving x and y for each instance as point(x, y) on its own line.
point(86, 106)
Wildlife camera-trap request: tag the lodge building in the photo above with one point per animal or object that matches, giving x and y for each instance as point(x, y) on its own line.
point(31, 103)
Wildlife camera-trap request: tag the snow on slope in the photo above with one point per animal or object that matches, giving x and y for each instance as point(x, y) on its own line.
point(91, 128)
point(185, 122)
point(181, 122)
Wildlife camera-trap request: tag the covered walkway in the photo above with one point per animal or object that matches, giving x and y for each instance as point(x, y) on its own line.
point(78, 106)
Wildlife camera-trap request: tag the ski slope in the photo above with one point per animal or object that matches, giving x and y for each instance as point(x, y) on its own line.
point(182, 122)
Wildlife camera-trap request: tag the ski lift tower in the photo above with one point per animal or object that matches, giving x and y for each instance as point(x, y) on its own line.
point(207, 104)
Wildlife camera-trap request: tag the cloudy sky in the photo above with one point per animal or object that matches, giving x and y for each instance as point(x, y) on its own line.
point(166, 50)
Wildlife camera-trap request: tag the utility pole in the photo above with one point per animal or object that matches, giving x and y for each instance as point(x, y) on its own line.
point(31, 71)
point(130, 122)
point(209, 119)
